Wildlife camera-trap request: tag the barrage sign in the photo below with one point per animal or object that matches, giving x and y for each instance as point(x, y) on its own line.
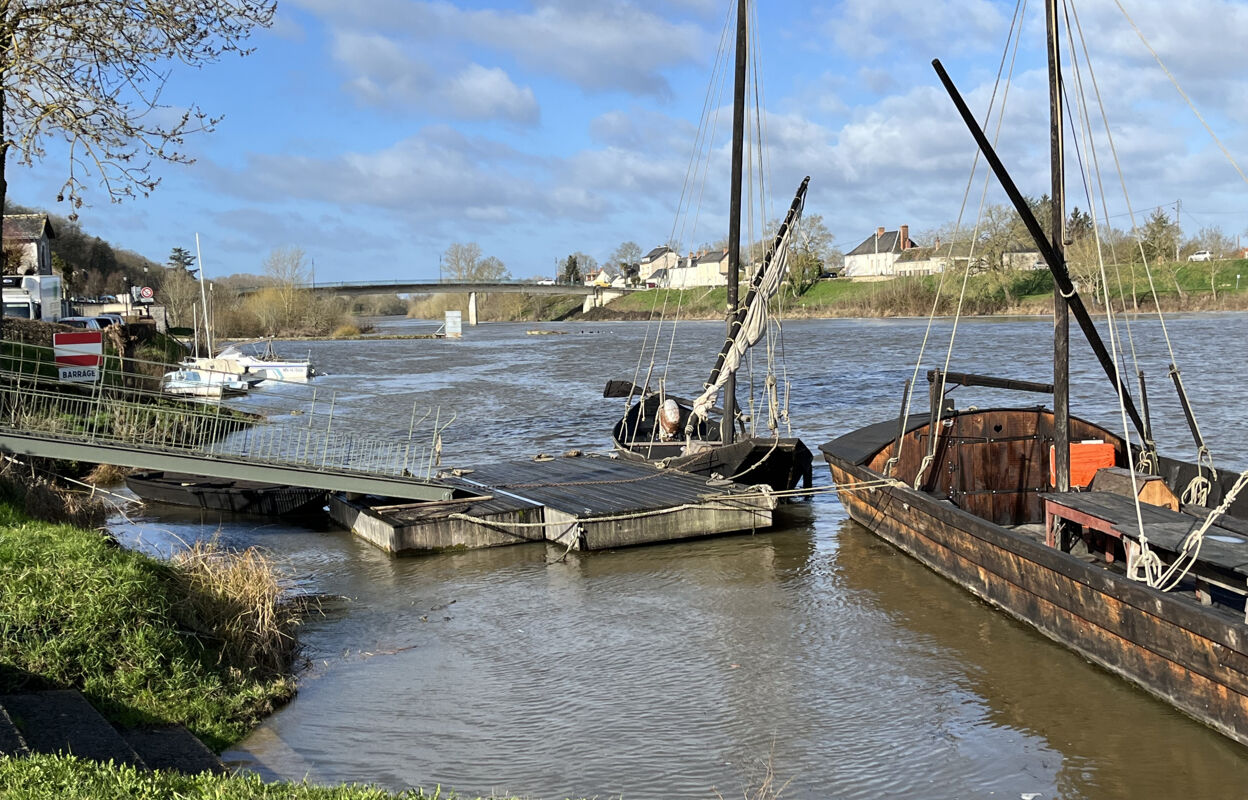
point(79, 355)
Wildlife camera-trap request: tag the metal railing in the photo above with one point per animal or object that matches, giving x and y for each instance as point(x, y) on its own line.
point(276, 422)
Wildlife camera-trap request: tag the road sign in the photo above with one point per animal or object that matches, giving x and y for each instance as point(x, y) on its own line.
point(146, 293)
point(78, 355)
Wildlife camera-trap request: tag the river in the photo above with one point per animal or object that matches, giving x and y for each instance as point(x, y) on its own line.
point(687, 670)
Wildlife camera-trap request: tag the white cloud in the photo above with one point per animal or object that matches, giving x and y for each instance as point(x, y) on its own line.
point(484, 93)
point(383, 75)
point(876, 27)
point(597, 46)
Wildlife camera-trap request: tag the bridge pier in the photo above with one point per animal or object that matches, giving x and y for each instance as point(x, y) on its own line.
point(472, 308)
point(600, 298)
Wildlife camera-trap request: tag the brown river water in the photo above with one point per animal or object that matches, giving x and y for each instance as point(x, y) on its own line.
point(683, 670)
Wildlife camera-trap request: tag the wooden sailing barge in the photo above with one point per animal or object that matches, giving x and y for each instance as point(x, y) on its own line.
point(1153, 591)
point(694, 436)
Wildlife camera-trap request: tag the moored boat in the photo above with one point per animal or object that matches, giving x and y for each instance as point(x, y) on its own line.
point(188, 382)
point(695, 436)
point(1138, 562)
point(267, 365)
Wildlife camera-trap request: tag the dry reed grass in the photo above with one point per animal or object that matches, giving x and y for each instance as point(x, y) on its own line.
point(42, 499)
point(763, 784)
point(236, 598)
point(106, 475)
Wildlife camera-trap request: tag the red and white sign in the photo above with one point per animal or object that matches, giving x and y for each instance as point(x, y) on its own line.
point(79, 355)
point(146, 293)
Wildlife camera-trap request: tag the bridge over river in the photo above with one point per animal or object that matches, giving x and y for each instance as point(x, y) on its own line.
point(595, 296)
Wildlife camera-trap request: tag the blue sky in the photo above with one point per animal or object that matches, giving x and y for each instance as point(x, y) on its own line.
point(375, 133)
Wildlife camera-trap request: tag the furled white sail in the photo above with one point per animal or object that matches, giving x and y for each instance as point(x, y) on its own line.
point(754, 324)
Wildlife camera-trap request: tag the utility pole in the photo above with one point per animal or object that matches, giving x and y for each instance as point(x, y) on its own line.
point(1178, 226)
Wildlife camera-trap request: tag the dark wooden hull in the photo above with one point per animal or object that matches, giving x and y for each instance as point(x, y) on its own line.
point(782, 463)
point(215, 494)
point(1192, 656)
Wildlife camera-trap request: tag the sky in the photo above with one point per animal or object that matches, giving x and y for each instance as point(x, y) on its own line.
point(373, 134)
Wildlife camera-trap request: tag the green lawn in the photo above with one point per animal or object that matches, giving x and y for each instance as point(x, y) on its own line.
point(76, 611)
point(67, 778)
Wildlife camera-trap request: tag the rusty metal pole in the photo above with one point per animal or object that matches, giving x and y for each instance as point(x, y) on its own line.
point(1061, 309)
point(727, 425)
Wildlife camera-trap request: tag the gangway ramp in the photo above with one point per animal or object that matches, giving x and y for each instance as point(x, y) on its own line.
point(224, 466)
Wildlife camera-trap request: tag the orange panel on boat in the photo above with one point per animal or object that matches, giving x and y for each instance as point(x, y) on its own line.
point(1085, 459)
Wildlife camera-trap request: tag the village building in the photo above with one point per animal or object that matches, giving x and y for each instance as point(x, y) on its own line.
point(878, 254)
point(598, 278)
point(705, 268)
point(28, 244)
point(660, 258)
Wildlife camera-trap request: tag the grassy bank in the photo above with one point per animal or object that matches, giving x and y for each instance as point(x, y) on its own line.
point(147, 642)
point(1211, 286)
point(67, 778)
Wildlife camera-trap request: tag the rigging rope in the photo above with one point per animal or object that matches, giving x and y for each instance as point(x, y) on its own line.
point(1014, 37)
point(1181, 92)
point(1149, 568)
point(1114, 336)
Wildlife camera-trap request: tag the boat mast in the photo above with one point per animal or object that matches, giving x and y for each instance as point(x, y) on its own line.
point(734, 215)
point(1061, 309)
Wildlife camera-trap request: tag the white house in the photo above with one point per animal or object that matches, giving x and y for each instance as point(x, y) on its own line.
point(878, 254)
point(659, 258)
point(599, 278)
point(699, 269)
point(28, 244)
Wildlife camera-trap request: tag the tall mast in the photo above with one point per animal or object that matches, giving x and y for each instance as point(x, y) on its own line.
point(1061, 309)
point(734, 215)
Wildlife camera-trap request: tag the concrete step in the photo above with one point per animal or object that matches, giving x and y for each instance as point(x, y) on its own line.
point(11, 741)
point(173, 748)
point(62, 721)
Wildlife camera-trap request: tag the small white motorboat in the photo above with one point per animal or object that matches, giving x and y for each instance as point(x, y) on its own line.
point(267, 366)
point(203, 383)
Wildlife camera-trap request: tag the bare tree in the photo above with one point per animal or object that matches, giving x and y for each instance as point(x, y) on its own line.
point(811, 251)
point(627, 259)
point(92, 73)
point(287, 268)
point(1220, 245)
point(179, 292)
point(464, 262)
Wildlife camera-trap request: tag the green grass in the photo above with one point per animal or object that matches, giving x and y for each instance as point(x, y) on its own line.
point(699, 303)
point(43, 777)
point(1024, 291)
point(77, 611)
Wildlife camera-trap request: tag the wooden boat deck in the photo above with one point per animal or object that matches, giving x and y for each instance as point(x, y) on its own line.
point(1221, 561)
point(598, 486)
point(609, 502)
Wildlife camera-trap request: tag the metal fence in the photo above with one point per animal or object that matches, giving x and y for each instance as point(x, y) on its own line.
point(279, 424)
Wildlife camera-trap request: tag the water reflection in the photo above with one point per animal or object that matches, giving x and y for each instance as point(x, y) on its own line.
point(1109, 739)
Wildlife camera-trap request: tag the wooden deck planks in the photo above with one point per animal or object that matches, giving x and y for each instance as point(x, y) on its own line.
point(586, 503)
point(1163, 527)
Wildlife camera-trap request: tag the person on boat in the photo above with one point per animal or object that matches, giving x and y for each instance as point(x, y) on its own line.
point(669, 420)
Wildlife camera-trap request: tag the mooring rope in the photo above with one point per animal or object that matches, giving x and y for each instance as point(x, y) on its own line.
point(1148, 566)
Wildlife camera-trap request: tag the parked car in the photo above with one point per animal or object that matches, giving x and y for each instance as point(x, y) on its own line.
point(109, 319)
point(1201, 255)
point(86, 323)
